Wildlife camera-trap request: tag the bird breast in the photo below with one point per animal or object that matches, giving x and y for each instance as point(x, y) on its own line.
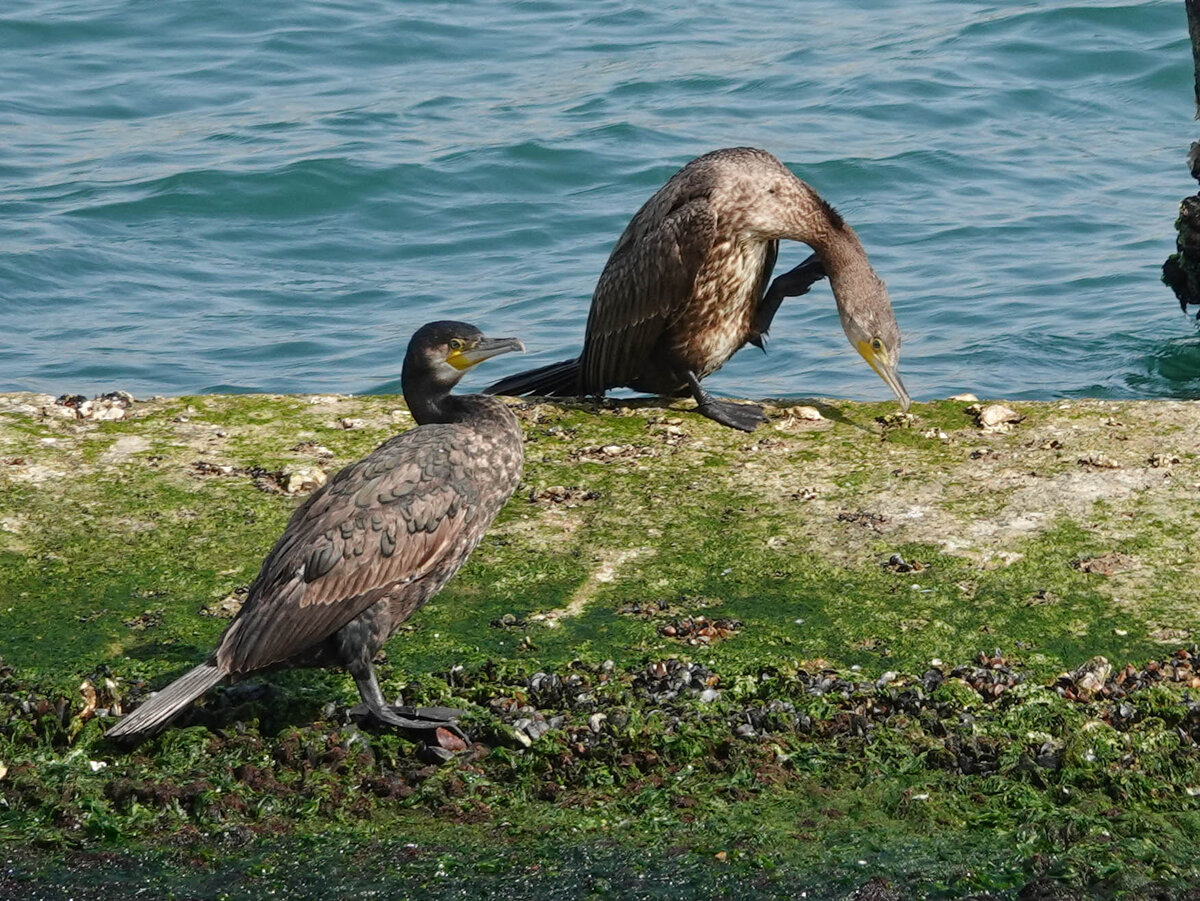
point(718, 318)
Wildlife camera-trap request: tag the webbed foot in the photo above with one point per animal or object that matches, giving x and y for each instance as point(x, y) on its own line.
point(746, 417)
point(422, 723)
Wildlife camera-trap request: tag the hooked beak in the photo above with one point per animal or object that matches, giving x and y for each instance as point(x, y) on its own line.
point(886, 370)
point(485, 349)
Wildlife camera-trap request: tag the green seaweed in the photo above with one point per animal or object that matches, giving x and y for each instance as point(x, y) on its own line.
point(840, 549)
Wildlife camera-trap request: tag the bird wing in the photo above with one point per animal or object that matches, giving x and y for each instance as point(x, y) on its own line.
point(647, 281)
point(383, 522)
point(769, 260)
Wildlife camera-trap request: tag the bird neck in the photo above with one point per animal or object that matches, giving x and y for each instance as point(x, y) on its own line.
point(427, 392)
point(433, 405)
point(851, 276)
point(446, 407)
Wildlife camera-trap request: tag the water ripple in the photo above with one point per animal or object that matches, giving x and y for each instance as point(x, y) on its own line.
point(245, 197)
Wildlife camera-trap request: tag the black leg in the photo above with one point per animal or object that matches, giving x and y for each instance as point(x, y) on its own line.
point(737, 416)
point(792, 283)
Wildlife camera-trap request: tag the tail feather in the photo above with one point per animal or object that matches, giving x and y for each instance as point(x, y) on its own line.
point(556, 380)
point(164, 706)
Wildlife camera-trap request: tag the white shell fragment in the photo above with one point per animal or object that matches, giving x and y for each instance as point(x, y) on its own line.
point(789, 417)
point(995, 417)
point(299, 479)
point(810, 413)
point(1089, 678)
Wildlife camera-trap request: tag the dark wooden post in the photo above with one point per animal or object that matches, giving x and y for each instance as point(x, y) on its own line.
point(1193, 16)
point(1181, 271)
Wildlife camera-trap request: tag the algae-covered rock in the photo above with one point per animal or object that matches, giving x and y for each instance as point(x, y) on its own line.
point(714, 640)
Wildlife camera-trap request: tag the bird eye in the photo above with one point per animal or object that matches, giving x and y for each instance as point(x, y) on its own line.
point(876, 345)
point(456, 344)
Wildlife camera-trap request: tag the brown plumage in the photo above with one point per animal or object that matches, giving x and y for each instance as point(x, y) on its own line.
point(372, 545)
point(686, 286)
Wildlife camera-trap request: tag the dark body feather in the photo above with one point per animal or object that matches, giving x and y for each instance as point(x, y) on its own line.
point(368, 548)
point(679, 289)
point(689, 283)
point(376, 542)
point(683, 287)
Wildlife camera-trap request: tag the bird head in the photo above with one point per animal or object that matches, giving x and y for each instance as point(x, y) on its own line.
point(870, 325)
point(439, 353)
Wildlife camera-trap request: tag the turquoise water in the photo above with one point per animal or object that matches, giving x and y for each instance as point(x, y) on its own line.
point(272, 196)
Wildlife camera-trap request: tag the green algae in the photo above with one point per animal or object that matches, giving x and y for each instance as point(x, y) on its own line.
point(116, 541)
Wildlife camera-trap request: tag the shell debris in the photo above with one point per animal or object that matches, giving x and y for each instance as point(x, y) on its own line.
point(995, 417)
point(301, 479)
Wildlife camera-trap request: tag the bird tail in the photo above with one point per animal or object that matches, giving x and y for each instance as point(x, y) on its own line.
point(556, 380)
point(165, 705)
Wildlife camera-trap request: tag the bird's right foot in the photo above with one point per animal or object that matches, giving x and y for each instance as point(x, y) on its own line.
point(793, 283)
point(434, 727)
point(746, 417)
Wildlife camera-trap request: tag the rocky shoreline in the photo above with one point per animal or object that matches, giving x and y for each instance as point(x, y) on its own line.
point(853, 653)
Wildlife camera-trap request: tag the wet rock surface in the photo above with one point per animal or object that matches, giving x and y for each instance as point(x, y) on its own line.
point(1181, 270)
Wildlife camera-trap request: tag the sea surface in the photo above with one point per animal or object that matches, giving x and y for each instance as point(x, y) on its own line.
point(271, 196)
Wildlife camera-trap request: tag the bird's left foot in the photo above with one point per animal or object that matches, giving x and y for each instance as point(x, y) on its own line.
point(746, 417)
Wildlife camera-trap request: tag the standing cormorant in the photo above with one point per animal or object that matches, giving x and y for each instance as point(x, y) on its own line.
point(377, 541)
point(686, 286)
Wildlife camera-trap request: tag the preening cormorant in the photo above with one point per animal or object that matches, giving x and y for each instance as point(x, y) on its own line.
point(686, 286)
point(373, 544)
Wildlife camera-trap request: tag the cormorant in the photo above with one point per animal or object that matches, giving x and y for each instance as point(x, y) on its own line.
point(686, 287)
point(373, 544)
